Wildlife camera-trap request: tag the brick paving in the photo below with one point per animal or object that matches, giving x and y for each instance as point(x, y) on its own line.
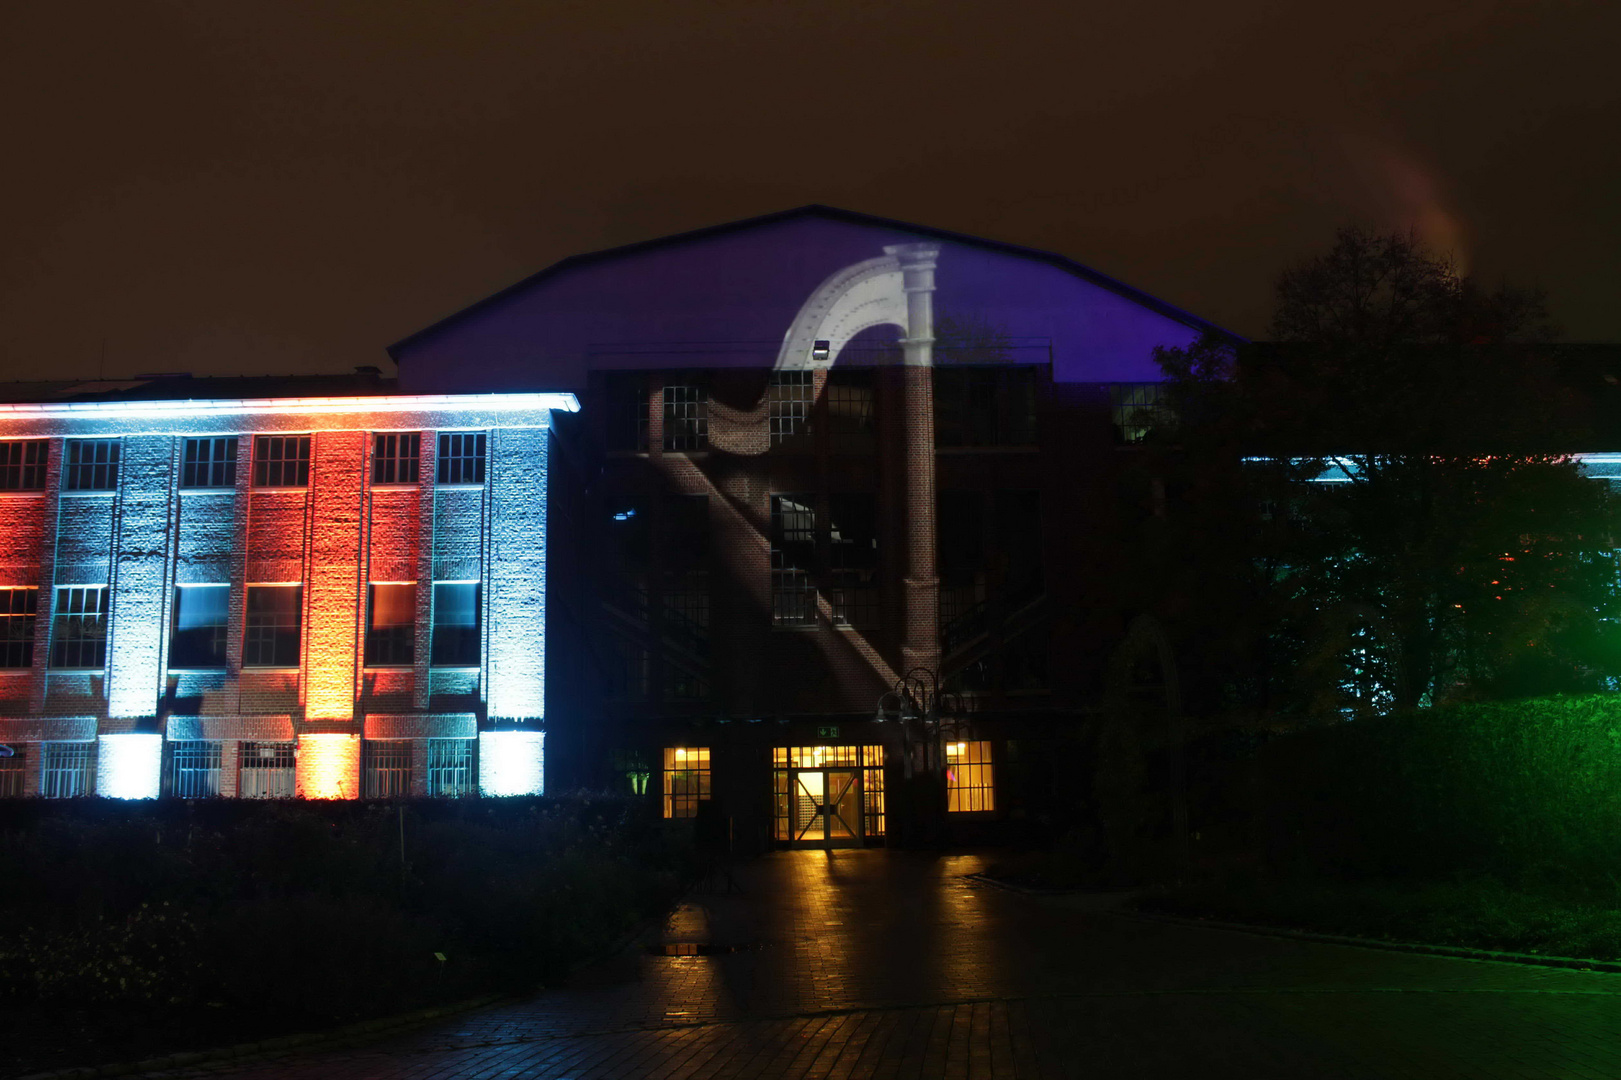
point(894, 964)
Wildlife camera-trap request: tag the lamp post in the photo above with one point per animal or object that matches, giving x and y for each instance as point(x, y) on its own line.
point(916, 698)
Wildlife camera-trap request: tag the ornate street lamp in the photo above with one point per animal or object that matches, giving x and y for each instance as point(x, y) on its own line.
point(916, 699)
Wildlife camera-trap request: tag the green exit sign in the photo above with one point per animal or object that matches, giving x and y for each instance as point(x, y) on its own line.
point(827, 732)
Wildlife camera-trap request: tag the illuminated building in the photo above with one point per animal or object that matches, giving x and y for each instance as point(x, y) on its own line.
point(269, 587)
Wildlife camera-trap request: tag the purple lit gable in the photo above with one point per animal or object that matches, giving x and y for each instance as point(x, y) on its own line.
point(726, 297)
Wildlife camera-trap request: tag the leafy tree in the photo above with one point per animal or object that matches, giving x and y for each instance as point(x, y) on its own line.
point(1461, 553)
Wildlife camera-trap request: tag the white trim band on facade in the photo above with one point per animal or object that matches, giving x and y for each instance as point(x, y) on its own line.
point(556, 402)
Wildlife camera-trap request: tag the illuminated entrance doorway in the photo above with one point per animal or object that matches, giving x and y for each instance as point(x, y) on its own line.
point(828, 796)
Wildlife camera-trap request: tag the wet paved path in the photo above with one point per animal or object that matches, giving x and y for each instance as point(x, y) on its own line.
point(891, 964)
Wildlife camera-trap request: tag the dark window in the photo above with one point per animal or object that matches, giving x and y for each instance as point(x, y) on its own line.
point(92, 465)
point(627, 411)
point(450, 768)
point(793, 558)
point(850, 414)
point(202, 620)
point(789, 400)
point(461, 457)
point(455, 624)
point(686, 417)
point(281, 461)
point(395, 457)
point(985, 406)
point(17, 614)
point(852, 556)
point(79, 635)
point(209, 463)
point(391, 625)
point(14, 774)
point(194, 768)
point(22, 465)
point(386, 768)
point(67, 769)
point(275, 613)
point(267, 771)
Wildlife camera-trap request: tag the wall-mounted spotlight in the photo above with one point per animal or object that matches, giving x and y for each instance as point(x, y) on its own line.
point(820, 349)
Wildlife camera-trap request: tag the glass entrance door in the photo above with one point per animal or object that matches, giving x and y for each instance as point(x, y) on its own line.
point(826, 807)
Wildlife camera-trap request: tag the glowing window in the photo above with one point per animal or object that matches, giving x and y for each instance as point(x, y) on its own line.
point(194, 769)
point(14, 774)
point(1138, 410)
point(275, 616)
point(789, 401)
point(686, 780)
point(79, 632)
point(209, 463)
point(281, 460)
point(969, 785)
point(267, 771)
point(686, 418)
point(22, 465)
point(451, 774)
point(386, 768)
point(92, 465)
point(461, 457)
point(391, 625)
point(67, 769)
point(455, 624)
point(395, 457)
point(202, 621)
point(870, 759)
point(18, 608)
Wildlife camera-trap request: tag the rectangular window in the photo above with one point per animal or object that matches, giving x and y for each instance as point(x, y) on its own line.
point(209, 463)
point(450, 768)
point(385, 766)
point(853, 558)
point(789, 400)
point(79, 633)
point(194, 769)
point(202, 622)
point(92, 465)
point(14, 773)
point(626, 668)
point(686, 417)
point(1137, 410)
point(985, 406)
point(461, 457)
point(850, 412)
point(969, 785)
point(67, 769)
point(686, 780)
point(395, 456)
point(281, 461)
point(869, 758)
point(391, 625)
point(627, 411)
point(267, 771)
point(275, 616)
point(22, 465)
point(455, 624)
point(793, 557)
point(18, 608)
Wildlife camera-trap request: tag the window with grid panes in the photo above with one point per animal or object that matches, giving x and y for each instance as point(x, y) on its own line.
point(18, 611)
point(209, 462)
point(461, 457)
point(266, 771)
point(22, 464)
point(455, 624)
point(395, 456)
point(92, 465)
point(391, 625)
point(281, 461)
point(193, 770)
point(686, 780)
point(202, 622)
point(969, 784)
point(67, 770)
point(851, 426)
point(14, 774)
point(273, 633)
point(793, 558)
point(853, 558)
point(985, 406)
point(789, 399)
point(385, 766)
point(1137, 409)
point(686, 417)
point(450, 768)
point(79, 628)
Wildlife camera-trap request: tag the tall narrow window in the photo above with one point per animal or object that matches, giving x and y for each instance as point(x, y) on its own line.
point(14, 774)
point(18, 608)
point(79, 632)
point(385, 766)
point(686, 417)
point(395, 456)
point(92, 465)
point(267, 771)
point(202, 620)
point(789, 399)
point(627, 411)
point(969, 785)
point(194, 768)
point(455, 624)
point(686, 780)
point(450, 768)
point(281, 461)
point(209, 463)
point(793, 557)
point(461, 457)
point(391, 625)
point(67, 769)
point(853, 558)
point(275, 615)
point(850, 412)
point(22, 465)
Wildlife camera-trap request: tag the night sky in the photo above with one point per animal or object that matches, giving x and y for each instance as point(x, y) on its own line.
point(285, 187)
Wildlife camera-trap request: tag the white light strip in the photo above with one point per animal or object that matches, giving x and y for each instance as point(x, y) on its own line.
point(383, 403)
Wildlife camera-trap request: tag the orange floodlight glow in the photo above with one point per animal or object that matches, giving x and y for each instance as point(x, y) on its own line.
point(329, 766)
